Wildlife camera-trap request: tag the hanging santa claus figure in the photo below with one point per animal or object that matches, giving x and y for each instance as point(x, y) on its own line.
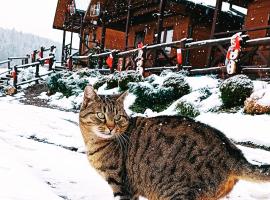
point(232, 57)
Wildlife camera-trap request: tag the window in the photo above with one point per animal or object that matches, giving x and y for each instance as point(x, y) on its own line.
point(166, 37)
point(95, 9)
point(139, 38)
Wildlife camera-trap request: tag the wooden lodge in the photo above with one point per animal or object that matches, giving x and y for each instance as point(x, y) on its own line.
point(123, 24)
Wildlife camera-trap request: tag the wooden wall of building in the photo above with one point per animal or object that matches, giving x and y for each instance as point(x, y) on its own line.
point(258, 16)
point(198, 57)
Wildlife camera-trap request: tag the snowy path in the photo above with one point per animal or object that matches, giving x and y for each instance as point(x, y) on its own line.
point(31, 170)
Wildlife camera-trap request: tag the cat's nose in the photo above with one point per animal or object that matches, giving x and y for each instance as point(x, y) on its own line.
point(110, 128)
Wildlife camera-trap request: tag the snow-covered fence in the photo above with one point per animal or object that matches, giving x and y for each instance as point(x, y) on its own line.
point(38, 58)
point(36, 62)
point(185, 45)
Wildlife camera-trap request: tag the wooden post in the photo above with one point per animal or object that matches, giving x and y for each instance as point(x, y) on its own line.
point(26, 59)
point(127, 25)
point(81, 36)
point(103, 39)
point(42, 52)
point(213, 30)
point(160, 20)
point(37, 73)
point(159, 27)
point(187, 55)
point(34, 56)
point(115, 61)
point(63, 47)
point(71, 41)
point(15, 76)
point(127, 32)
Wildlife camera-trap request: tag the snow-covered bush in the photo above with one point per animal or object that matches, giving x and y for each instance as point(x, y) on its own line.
point(187, 109)
point(101, 81)
point(117, 79)
point(129, 77)
point(158, 97)
point(235, 90)
point(151, 78)
point(88, 73)
point(112, 80)
point(179, 85)
point(69, 83)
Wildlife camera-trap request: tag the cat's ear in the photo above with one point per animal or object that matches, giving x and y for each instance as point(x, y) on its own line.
point(121, 99)
point(89, 95)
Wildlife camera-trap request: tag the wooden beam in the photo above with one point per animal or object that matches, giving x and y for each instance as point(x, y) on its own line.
point(160, 20)
point(127, 25)
point(81, 36)
point(103, 38)
point(162, 5)
point(63, 47)
point(213, 29)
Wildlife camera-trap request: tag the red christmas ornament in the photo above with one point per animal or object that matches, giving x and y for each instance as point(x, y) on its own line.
point(13, 74)
point(179, 57)
point(140, 45)
point(109, 61)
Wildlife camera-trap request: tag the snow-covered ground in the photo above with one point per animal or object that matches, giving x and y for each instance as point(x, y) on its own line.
point(37, 163)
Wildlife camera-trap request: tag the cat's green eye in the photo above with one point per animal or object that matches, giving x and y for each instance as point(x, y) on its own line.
point(117, 117)
point(100, 115)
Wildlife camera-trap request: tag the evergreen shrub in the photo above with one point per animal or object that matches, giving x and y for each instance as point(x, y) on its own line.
point(235, 90)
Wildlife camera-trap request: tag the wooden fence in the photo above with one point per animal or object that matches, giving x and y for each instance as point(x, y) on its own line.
point(185, 45)
point(36, 59)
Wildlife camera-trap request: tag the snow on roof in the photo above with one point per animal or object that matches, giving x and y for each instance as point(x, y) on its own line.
point(225, 6)
point(82, 4)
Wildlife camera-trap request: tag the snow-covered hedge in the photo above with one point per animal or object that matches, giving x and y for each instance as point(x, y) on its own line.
point(235, 90)
point(69, 83)
point(187, 109)
point(120, 80)
point(158, 96)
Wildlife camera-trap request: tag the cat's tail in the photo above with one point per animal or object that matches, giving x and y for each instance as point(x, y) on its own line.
point(254, 173)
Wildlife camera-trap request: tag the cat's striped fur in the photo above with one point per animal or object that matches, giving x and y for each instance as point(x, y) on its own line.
point(161, 158)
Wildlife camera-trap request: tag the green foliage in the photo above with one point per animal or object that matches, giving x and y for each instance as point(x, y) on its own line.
point(179, 85)
point(52, 82)
point(88, 73)
point(235, 90)
point(128, 77)
point(187, 109)
point(120, 80)
point(158, 98)
point(101, 81)
point(66, 83)
point(112, 81)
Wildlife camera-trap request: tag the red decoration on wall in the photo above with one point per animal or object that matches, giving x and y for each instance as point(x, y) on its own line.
point(179, 57)
point(14, 75)
point(140, 45)
point(109, 61)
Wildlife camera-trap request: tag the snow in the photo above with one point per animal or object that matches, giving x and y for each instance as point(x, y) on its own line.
point(225, 6)
point(262, 96)
point(49, 171)
point(43, 154)
point(82, 4)
point(240, 127)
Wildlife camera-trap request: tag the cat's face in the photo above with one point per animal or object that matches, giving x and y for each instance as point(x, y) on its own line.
point(104, 117)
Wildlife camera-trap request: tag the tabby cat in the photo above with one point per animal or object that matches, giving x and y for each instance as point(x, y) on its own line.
point(160, 158)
